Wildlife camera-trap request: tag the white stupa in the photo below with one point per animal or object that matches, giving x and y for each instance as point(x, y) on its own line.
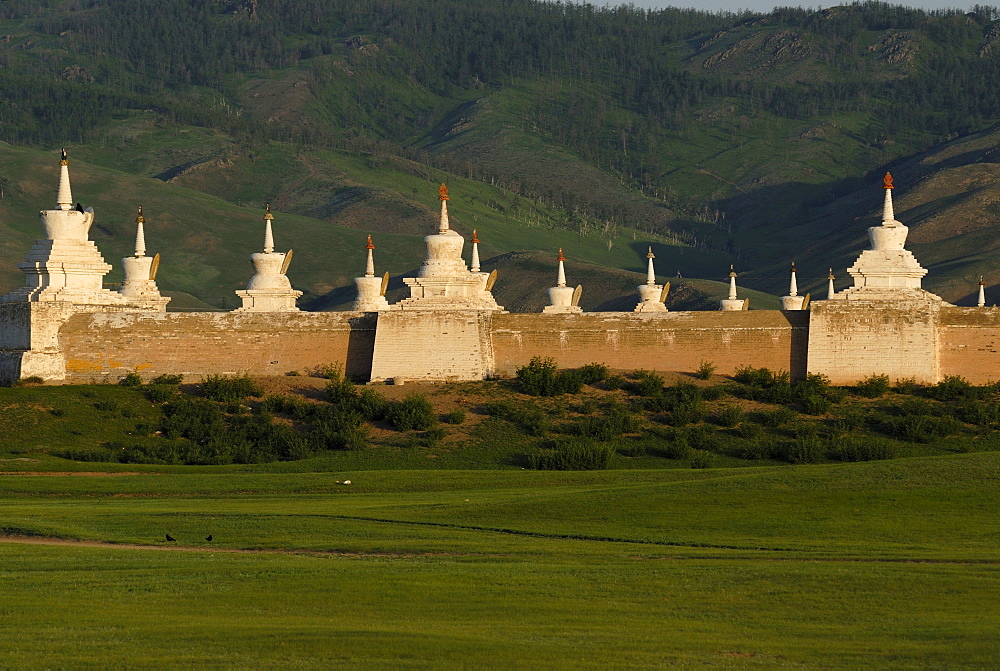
point(830, 291)
point(139, 286)
point(887, 271)
point(269, 289)
point(66, 265)
point(563, 299)
point(792, 301)
point(444, 282)
point(651, 294)
point(732, 304)
point(371, 290)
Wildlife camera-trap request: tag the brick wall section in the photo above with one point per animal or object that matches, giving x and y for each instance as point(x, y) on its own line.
point(970, 343)
point(851, 340)
point(106, 346)
point(672, 341)
point(432, 345)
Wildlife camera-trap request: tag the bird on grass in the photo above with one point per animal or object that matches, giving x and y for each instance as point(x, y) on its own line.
point(209, 538)
point(171, 538)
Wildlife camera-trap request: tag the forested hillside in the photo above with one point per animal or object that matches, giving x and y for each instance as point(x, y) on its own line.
point(719, 138)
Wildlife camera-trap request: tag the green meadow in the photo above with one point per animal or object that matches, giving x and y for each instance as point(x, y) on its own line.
point(890, 563)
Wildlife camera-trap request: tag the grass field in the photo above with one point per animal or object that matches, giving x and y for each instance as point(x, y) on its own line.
point(877, 564)
point(449, 554)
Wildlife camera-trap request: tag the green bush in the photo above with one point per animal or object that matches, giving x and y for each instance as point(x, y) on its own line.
point(90, 454)
point(702, 459)
point(705, 370)
point(541, 378)
point(729, 416)
point(229, 389)
point(456, 416)
point(863, 448)
point(806, 450)
point(167, 379)
point(647, 383)
point(760, 377)
point(775, 419)
point(592, 373)
point(413, 413)
point(131, 379)
point(873, 386)
point(615, 422)
point(614, 382)
point(953, 388)
point(580, 454)
point(815, 404)
point(371, 404)
point(922, 428)
point(749, 430)
point(715, 392)
point(974, 411)
point(160, 393)
point(758, 449)
point(340, 390)
point(687, 413)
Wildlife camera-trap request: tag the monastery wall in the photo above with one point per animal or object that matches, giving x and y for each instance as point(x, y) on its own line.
point(102, 346)
point(970, 343)
point(670, 341)
point(851, 340)
point(432, 345)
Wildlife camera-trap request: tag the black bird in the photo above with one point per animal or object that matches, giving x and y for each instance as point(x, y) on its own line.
point(79, 207)
point(171, 538)
point(209, 538)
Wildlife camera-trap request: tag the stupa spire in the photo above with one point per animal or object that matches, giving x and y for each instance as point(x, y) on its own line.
point(650, 273)
point(140, 234)
point(561, 277)
point(370, 266)
point(887, 213)
point(64, 199)
point(475, 252)
point(443, 197)
point(829, 285)
point(982, 293)
point(793, 287)
point(268, 234)
point(732, 283)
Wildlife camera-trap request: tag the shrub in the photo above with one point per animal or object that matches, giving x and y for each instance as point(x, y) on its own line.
point(456, 416)
point(540, 378)
point(160, 393)
point(371, 404)
point(759, 377)
point(906, 385)
point(647, 383)
point(714, 393)
point(614, 423)
point(108, 405)
point(614, 382)
point(196, 419)
point(729, 415)
point(167, 379)
point(758, 449)
point(749, 430)
point(702, 459)
point(90, 454)
point(922, 428)
point(413, 413)
point(340, 390)
point(131, 379)
point(873, 386)
point(852, 419)
point(592, 373)
point(28, 381)
point(678, 448)
point(806, 450)
point(774, 419)
point(953, 388)
point(980, 413)
point(867, 448)
point(572, 455)
point(815, 404)
point(705, 370)
point(229, 389)
point(687, 413)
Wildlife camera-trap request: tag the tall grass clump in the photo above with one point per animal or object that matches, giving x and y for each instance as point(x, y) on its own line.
point(578, 454)
point(413, 413)
point(863, 448)
point(873, 386)
point(542, 378)
point(705, 370)
point(229, 389)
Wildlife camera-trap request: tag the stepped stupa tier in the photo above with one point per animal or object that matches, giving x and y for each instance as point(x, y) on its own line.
point(371, 289)
point(66, 265)
point(563, 299)
point(886, 270)
point(444, 282)
point(269, 289)
point(651, 294)
point(139, 286)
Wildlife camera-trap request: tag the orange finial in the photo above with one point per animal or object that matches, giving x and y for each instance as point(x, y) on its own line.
point(475, 240)
point(139, 218)
point(369, 245)
point(443, 192)
point(561, 257)
point(64, 158)
point(887, 181)
point(267, 211)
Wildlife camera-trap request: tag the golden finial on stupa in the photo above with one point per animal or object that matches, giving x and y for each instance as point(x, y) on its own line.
point(830, 276)
point(732, 270)
point(139, 219)
point(443, 192)
point(887, 181)
point(649, 253)
point(793, 266)
point(370, 245)
point(560, 257)
point(475, 240)
point(65, 158)
point(267, 212)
